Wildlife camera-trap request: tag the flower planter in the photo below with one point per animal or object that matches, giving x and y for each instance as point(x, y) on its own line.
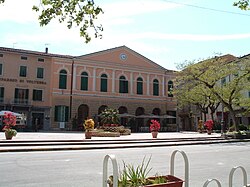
point(8, 136)
point(172, 182)
point(88, 135)
point(154, 134)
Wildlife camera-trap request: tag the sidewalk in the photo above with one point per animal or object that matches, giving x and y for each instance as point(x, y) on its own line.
point(67, 135)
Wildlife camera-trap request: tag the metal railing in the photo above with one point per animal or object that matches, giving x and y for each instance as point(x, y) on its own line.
point(105, 179)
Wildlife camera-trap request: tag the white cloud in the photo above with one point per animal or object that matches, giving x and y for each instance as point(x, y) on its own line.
point(18, 11)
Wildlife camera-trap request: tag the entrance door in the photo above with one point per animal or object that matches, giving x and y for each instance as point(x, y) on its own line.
point(37, 121)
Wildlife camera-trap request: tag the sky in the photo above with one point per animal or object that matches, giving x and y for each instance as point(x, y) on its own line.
point(168, 32)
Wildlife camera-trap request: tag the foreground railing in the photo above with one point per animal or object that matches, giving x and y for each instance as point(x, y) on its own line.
point(172, 161)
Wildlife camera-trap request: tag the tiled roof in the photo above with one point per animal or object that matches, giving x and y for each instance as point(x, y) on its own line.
point(34, 52)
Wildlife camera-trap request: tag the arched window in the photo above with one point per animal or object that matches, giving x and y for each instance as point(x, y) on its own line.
point(170, 88)
point(123, 85)
point(139, 86)
point(156, 87)
point(84, 81)
point(63, 79)
point(104, 83)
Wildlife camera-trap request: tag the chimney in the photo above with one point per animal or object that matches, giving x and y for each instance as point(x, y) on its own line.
point(46, 50)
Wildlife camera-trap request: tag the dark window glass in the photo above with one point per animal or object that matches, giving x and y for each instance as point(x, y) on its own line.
point(170, 88)
point(84, 81)
point(39, 73)
point(23, 71)
point(1, 55)
point(40, 59)
point(1, 69)
point(1, 94)
point(24, 58)
point(63, 79)
point(155, 87)
point(123, 85)
point(104, 83)
point(139, 86)
point(37, 95)
point(21, 96)
point(61, 113)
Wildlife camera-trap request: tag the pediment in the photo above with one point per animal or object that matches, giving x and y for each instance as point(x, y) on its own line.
point(121, 56)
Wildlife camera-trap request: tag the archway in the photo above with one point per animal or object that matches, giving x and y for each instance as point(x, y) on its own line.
point(123, 120)
point(139, 122)
point(82, 115)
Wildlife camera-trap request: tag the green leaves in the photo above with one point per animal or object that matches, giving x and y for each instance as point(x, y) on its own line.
point(242, 4)
point(81, 13)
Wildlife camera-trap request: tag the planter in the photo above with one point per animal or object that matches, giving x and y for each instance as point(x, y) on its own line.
point(88, 134)
point(8, 136)
point(154, 134)
point(172, 182)
point(209, 132)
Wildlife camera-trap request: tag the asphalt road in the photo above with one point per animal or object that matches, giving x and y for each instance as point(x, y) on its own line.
point(84, 168)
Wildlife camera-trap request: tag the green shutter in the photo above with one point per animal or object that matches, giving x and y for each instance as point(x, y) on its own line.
point(66, 114)
point(56, 113)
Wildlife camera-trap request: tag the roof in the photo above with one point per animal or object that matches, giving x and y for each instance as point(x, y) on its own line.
point(34, 52)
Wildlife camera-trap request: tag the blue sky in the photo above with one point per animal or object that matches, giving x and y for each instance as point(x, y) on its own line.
point(166, 32)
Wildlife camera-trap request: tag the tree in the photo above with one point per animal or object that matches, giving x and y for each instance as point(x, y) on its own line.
point(242, 4)
point(209, 74)
point(81, 13)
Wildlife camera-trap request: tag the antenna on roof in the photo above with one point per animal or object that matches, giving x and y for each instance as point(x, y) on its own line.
point(14, 44)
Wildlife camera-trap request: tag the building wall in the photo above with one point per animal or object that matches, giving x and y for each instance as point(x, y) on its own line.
point(10, 79)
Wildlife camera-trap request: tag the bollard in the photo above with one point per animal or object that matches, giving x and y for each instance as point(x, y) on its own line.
point(211, 180)
point(105, 171)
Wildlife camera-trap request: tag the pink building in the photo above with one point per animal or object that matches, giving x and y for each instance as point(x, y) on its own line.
point(60, 92)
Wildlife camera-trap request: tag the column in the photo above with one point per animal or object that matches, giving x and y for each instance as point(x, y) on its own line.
point(131, 83)
point(113, 81)
point(94, 79)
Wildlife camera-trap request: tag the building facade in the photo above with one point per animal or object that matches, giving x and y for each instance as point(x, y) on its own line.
point(60, 92)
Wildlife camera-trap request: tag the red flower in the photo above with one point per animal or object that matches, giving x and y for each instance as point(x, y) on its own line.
point(155, 125)
point(209, 124)
point(9, 120)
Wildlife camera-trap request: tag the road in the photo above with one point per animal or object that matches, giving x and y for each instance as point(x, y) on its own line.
point(84, 168)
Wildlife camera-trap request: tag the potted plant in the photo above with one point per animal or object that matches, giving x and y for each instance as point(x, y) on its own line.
point(209, 126)
point(154, 128)
point(9, 121)
point(132, 176)
point(89, 125)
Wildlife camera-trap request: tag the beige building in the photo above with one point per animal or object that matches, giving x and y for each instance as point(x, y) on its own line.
point(60, 92)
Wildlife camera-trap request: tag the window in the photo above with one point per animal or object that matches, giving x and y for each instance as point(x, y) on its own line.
point(23, 71)
point(1, 55)
point(1, 94)
point(39, 73)
point(40, 59)
point(24, 58)
point(61, 113)
point(104, 83)
point(155, 87)
point(21, 96)
point(139, 86)
point(170, 88)
point(37, 95)
point(84, 81)
point(1, 69)
point(123, 85)
point(63, 79)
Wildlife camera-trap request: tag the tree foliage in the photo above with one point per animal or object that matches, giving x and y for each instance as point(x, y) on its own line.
point(201, 83)
point(80, 13)
point(242, 4)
